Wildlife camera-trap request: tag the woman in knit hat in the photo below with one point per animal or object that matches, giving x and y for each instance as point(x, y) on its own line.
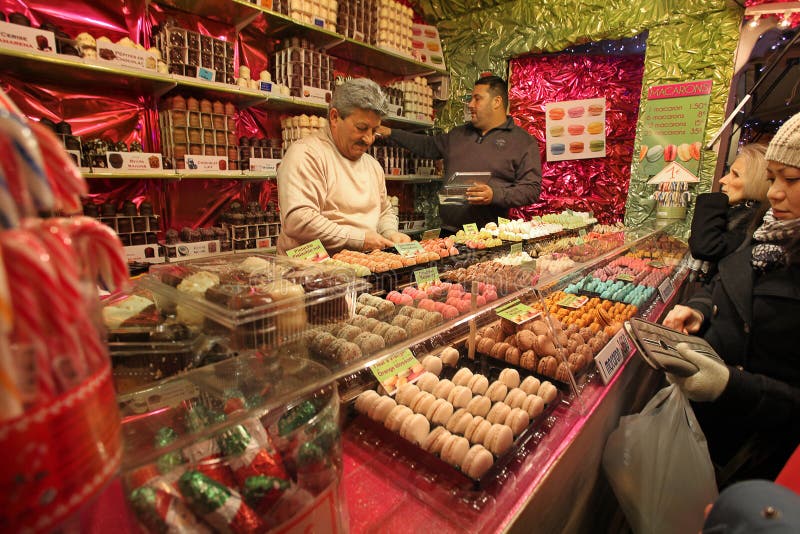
point(749, 408)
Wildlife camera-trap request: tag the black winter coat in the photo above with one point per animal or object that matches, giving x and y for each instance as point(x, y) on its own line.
point(719, 229)
point(753, 321)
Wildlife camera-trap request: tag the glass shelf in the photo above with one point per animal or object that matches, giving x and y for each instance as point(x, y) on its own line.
point(178, 175)
point(74, 73)
point(238, 13)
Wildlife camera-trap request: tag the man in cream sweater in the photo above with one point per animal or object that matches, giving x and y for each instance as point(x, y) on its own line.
point(329, 188)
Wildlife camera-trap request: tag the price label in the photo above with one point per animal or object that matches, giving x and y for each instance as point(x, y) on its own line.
point(501, 220)
point(408, 249)
point(313, 251)
point(471, 228)
point(573, 301)
point(426, 276)
point(431, 234)
point(206, 74)
point(666, 289)
point(517, 312)
point(655, 264)
point(579, 241)
point(625, 277)
point(582, 232)
point(399, 369)
point(516, 248)
point(610, 359)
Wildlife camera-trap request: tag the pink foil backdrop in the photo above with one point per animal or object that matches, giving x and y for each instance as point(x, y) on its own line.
point(598, 184)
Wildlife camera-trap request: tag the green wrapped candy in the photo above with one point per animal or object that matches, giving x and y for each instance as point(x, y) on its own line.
point(327, 434)
point(262, 492)
point(296, 417)
point(309, 453)
point(167, 462)
point(220, 506)
point(235, 440)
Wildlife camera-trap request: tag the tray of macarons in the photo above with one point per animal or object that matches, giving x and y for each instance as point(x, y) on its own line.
point(467, 419)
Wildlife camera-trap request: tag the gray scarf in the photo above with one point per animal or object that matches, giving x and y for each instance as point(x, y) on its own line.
point(770, 252)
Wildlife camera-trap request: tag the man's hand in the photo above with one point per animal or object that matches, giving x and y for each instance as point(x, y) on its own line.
point(480, 194)
point(374, 240)
point(383, 131)
point(398, 237)
point(683, 319)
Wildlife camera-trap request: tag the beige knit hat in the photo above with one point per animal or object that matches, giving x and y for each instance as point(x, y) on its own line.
point(785, 146)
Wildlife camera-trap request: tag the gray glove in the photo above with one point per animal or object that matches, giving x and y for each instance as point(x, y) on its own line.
point(708, 383)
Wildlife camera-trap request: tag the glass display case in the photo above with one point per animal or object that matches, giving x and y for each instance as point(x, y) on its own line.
point(485, 396)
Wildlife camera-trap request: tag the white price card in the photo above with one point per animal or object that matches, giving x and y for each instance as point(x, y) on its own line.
point(610, 359)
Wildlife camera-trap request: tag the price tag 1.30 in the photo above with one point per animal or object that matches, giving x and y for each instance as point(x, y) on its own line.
point(431, 234)
point(610, 359)
point(666, 289)
point(471, 228)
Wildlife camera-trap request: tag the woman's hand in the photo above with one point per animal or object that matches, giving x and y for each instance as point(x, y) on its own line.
point(684, 319)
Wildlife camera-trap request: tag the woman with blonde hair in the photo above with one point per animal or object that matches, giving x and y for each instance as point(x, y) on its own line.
point(721, 219)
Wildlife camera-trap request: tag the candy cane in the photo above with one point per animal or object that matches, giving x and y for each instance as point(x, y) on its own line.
point(99, 244)
point(10, 396)
point(65, 178)
point(14, 180)
point(29, 159)
point(27, 260)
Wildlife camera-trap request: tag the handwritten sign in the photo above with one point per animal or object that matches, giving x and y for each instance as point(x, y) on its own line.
point(625, 277)
point(426, 276)
point(516, 248)
point(517, 312)
point(501, 221)
point(471, 228)
point(408, 249)
point(397, 370)
point(313, 251)
point(573, 301)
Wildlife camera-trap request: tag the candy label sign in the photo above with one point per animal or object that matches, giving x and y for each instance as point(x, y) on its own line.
point(399, 369)
point(517, 312)
point(313, 251)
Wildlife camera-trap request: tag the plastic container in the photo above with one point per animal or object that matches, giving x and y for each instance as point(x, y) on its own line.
point(256, 300)
point(219, 450)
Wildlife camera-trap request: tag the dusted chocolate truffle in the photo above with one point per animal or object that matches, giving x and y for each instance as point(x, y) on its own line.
point(108, 209)
point(44, 121)
point(146, 208)
point(19, 18)
point(171, 236)
point(90, 209)
point(64, 127)
point(129, 208)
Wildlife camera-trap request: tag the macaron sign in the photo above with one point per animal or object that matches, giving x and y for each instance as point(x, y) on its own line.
point(576, 129)
point(674, 124)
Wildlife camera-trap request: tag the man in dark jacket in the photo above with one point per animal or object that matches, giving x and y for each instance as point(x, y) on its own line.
point(490, 142)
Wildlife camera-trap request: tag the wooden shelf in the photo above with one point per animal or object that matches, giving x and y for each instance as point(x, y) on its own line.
point(178, 175)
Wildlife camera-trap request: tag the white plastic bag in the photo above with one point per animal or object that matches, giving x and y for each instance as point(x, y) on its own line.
point(658, 464)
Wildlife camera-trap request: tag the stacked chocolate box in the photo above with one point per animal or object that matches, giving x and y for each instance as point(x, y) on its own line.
point(192, 54)
point(299, 126)
point(394, 26)
point(320, 13)
point(358, 19)
point(299, 64)
point(417, 98)
point(134, 225)
point(254, 147)
point(251, 227)
point(198, 128)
